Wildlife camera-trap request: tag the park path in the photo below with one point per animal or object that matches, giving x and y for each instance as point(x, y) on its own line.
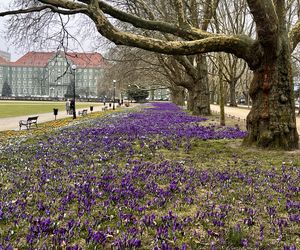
point(12, 123)
point(242, 112)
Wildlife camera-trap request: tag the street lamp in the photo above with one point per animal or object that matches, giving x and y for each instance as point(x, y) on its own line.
point(74, 93)
point(114, 83)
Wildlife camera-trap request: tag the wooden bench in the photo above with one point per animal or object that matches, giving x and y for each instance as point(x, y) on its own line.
point(104, 108)
point(83, 112)
point(27, 123)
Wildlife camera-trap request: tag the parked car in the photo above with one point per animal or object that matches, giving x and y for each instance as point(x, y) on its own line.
point(241, 100)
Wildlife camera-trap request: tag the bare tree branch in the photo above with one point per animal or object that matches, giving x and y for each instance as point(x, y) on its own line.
point(265, 17)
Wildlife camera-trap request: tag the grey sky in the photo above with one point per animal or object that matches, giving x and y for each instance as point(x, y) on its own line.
point(4, 45)
point(87, 44)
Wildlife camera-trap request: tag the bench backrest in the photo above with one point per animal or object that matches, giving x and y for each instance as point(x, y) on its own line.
point(33, 118)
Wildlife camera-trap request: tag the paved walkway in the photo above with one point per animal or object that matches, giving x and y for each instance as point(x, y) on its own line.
point(242, 112)
point(12, 123)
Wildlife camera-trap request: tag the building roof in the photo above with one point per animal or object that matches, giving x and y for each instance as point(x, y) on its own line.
point(87, 60)
point(34, 59)
point(81, 60)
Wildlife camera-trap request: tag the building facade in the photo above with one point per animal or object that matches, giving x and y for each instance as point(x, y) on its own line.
point(53, 74)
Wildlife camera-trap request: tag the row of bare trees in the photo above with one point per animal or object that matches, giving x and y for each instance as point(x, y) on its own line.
point(193, 72)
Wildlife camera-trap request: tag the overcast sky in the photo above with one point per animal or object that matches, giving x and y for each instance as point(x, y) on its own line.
point(4, 45)
point(16, 53)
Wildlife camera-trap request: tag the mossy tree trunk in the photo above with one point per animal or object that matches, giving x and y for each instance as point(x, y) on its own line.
point(198, 88)
point(271, 122)
point(199, 99)
point(221, 92)
point(178, 95)
point(190, 100)
point(232, 95)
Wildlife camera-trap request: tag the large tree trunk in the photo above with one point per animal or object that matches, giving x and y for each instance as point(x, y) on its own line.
point(178, 95)
point(190, 100)
point(247, 97)
point(212, 96)
point(152, 94)
point(198, 99)
point(271, 122)
point(232, 85)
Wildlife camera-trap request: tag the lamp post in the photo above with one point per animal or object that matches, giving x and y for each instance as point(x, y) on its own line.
point(74, 93)
point(114, 84)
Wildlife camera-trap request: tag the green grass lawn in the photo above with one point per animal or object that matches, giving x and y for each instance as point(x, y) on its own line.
point(20, 108)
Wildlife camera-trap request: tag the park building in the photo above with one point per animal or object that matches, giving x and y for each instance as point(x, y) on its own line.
point(52, 74)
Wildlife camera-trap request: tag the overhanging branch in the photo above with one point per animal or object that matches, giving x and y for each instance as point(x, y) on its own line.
point(41, 8)
point(237, 45)
point(186, 32)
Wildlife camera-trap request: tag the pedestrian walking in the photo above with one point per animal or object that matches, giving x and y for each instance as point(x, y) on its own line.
point(72, 106)
point(68, 106)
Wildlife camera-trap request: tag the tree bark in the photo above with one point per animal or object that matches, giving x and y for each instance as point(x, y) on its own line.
point(232, 94)
point(178, 95)
point(190, 100)
point(221, 92)
point(212, 96)
point(199, 91)
point(198, 100)
point(271, 122)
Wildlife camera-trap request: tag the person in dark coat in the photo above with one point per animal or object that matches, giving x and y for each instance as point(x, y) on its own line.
point(72, 106)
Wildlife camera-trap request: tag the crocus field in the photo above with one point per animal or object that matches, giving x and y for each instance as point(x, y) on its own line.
point(152, 178)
